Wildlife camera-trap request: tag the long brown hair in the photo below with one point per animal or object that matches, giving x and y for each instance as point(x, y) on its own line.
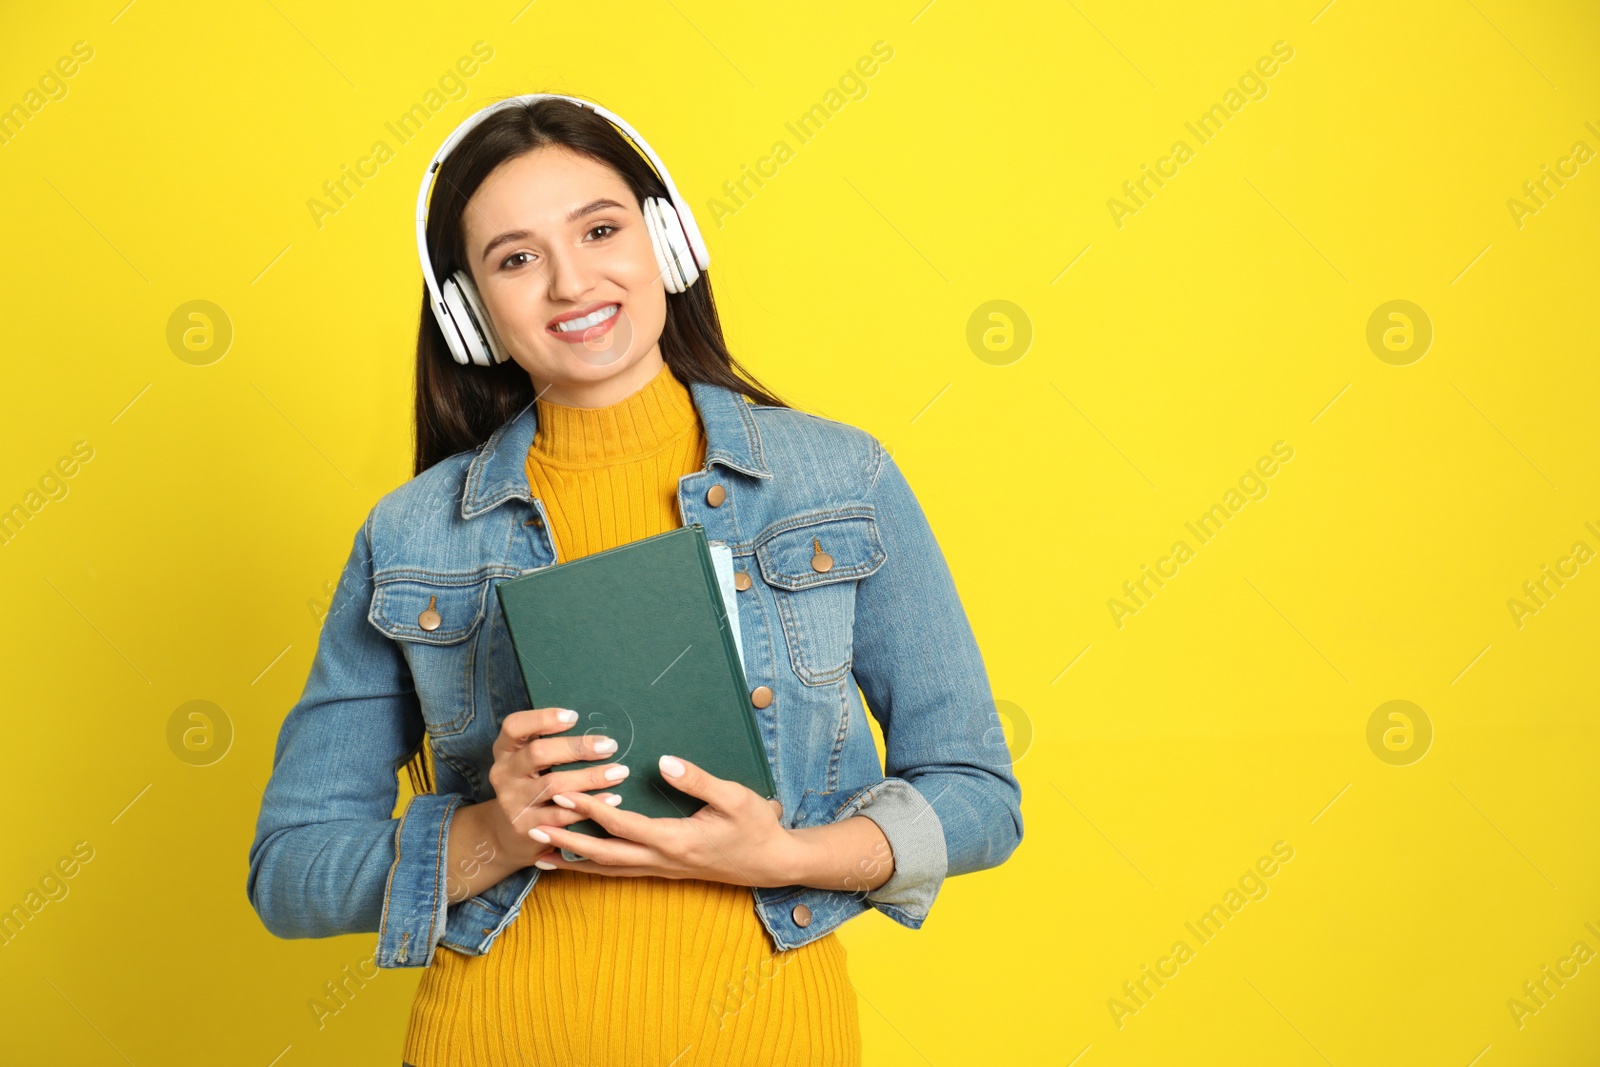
point(459, 407)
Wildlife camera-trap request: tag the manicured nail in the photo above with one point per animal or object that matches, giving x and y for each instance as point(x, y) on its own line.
point(617, 773)
point(608, 744)
point(539, 835)
point(544, 865)
point(564, 801)
point(671, 766)
point(567, 715)
point(613, 799)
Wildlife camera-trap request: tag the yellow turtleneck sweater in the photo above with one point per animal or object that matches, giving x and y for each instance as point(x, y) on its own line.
point(600, 970)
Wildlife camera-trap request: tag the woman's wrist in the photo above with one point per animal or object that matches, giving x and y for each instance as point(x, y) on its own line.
point(797, 859)
point(852, 855)
point(478, 857)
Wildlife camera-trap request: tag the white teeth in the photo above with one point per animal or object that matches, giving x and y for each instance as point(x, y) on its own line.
point(589, 320)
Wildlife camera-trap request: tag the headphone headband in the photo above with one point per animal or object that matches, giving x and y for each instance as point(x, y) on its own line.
point(691, 229)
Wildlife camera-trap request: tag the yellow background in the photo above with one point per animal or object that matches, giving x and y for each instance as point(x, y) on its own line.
point(189, 556)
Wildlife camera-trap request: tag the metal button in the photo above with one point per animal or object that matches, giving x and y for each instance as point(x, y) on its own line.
point(430, 619)
point(821, 561)
point(802, 915)
point(741, 580)
point(716, 495)
point(761, 696)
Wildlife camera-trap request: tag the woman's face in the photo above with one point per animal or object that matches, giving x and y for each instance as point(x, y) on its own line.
point(555, 237)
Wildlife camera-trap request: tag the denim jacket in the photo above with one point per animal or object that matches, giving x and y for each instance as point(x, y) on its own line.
point(328, 856)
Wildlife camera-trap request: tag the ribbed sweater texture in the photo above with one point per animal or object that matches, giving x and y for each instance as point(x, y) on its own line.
point(610, 971)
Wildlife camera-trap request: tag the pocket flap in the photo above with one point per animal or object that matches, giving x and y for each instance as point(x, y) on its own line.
point(851, 540)
point(398, 605)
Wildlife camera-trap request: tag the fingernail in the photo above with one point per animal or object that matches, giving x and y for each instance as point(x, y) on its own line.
point(607, 744)
point(671, 766)
point(617, 773)
point(539, 835)
point(567, 715)
point(544, 865)
point(564, 801)
point(613, 799)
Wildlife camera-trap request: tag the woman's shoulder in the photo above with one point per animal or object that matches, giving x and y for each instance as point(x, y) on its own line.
point(801, 442)
point(426, 498)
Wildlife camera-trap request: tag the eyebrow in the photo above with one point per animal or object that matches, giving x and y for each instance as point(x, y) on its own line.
point(517, 235)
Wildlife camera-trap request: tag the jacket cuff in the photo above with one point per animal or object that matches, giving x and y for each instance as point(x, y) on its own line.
point(917, 838)
point(415, 898)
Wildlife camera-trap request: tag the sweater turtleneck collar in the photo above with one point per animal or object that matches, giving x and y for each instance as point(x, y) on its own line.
point(650, 419)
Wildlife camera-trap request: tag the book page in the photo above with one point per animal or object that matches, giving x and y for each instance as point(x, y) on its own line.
point(722, 557)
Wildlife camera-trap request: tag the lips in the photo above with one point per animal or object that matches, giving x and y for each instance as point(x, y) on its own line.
point(597, 320)
point(579, 313)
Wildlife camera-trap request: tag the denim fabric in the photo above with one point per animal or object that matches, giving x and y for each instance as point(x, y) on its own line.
point(328, 857)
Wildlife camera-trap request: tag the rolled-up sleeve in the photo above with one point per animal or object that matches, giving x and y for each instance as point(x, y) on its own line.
point(950, 803)
point(328, 856)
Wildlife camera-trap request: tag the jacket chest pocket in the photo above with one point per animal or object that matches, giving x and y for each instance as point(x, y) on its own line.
point(435, 620)
point(812, 569)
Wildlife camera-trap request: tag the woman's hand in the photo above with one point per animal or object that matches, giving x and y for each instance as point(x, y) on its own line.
point(523, 783)
point(735, 838)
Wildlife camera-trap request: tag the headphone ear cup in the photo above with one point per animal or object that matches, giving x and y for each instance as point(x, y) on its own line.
point(450, 321)
point(672, 245)
point(658, 245)
point(678, 242)
point(480, 342)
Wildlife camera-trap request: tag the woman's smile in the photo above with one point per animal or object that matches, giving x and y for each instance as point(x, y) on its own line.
point(584, 325)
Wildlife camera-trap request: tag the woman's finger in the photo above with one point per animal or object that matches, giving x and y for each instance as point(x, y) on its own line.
point(720, 793)
point(607, 851)
point(520, 727)
point(542, 753)
point(557, 814)
point(629, 825)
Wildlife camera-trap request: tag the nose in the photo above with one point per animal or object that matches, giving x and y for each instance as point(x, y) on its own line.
point(568, 276)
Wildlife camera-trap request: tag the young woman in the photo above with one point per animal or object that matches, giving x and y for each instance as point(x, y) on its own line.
point(574, 393)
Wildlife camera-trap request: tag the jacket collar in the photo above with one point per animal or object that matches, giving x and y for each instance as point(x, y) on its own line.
point(499, 472)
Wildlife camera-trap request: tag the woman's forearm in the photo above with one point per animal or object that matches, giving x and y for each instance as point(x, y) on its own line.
point(852, 855)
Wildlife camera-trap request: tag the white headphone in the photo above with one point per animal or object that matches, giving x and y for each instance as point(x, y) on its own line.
point(680, 250)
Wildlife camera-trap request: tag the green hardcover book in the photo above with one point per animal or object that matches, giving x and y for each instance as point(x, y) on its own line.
point(637, 641)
